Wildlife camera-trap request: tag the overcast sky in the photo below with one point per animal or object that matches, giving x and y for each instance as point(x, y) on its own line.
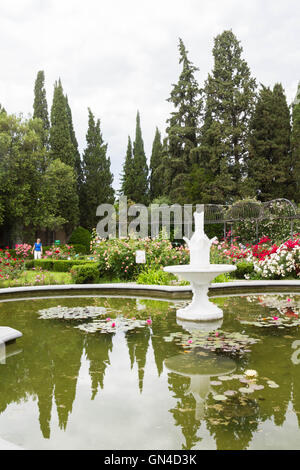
point(118, 56)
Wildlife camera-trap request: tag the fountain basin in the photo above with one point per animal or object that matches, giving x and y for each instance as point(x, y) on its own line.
point(200, 309)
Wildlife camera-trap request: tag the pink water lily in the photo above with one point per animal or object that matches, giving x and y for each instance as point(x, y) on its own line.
point(275, 318)
point(113, 324)
point(149, 321)
point(108, 319)
point(190, 341)
point(288, 300)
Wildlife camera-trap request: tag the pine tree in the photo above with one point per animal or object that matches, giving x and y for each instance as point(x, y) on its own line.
point(61, 145)
point(269, 163)
point(128, 177)
point(230, 98)
point(97, 187)
point(156, 184)
point(140, 167)
point(183, 126)
point(40, 107)
point(295, 145)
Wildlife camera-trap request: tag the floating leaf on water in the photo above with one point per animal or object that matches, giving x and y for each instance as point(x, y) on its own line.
point(224, 378)
point(246, 390)
point(257, 387)
point(230, 393)
point(220, 397)
point(215, 382)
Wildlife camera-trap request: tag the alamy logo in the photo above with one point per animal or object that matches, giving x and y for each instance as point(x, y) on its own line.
point(140, 221)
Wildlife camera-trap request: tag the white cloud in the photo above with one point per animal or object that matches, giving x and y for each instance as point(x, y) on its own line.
point(117, 57)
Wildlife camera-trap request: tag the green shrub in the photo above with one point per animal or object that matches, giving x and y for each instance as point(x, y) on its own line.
point(85, 274)
point(63, 266)
point(80, 249)
point(81, 236)
point(29, 264)
point(46, 264)
point(242, 268)
point(155, 276)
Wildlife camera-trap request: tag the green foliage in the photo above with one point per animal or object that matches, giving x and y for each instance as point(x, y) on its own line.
point(180, 149)
point(156, 183)
point(81, 236)
point(80, 249)
point(243, 268)
point(46, 264)
point(40, 107)
point(295, 146)
point(85, 274)
point(269, 162)
point(60, 138)
point(60, 196)
point(97, 188)
point(155, 276)
point(128, 176)
point(230, 97)
point(116, 257)
point(60, 265)
point(140, 168)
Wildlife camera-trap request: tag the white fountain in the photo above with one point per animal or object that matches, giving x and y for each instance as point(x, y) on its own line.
point(200, 273)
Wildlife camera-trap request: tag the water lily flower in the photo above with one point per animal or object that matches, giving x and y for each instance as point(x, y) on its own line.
point(108, 319)
point(288, 300)
point(113, 324)
point(149, 321)
point(275, 318)
point(250, 373)
point(190, 341)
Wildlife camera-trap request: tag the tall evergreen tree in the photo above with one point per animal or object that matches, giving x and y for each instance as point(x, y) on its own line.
point(230, 98)
point(77, 164)
point(40, 107)
point(295, 145)
point(128, 177)
point(61, 145)
point(97, 187)
point(269, 162)
point(140, 167)
point(183, 127)
point(156, 184)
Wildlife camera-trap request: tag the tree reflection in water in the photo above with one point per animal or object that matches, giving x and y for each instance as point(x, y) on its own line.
point(53, 351)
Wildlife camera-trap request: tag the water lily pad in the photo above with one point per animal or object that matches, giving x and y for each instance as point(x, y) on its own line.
point(246, 390)
point(230, 393)
point(220, 397)
point(224, 378)
point(215, 382)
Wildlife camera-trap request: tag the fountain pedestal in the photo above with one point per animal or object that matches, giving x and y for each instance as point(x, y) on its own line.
point(200, 273)
point(200, 309)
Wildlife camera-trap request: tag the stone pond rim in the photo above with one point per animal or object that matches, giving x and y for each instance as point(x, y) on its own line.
point(155, 291)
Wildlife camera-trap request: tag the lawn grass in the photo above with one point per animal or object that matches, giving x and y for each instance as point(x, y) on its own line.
point(37, 278)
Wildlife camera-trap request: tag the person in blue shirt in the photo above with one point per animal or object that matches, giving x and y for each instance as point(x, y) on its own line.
point(37, 249)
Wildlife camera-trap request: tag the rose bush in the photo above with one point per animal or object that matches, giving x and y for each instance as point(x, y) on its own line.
point(116, 257)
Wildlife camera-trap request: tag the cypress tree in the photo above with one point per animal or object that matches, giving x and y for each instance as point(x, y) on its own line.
point(230, 98)
point(40, 107)
point(97, 188)
point(295, 145)
point(269, 163)
point(61, 145)
point(183, 126)
point(127, 177)
point(78, 164)
point(140, 167)
point(156, 184)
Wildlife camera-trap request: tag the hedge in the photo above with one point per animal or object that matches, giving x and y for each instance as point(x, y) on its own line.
point(59, 265)
point(85, 274)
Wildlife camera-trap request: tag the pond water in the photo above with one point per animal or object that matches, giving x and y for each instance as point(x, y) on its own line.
point(62, 387)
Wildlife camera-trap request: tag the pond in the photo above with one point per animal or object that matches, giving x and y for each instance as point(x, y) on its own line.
point(122, 373)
